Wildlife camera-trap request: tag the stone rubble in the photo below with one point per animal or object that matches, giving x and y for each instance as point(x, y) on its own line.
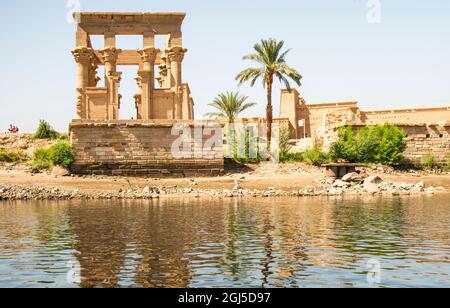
point(372, 185)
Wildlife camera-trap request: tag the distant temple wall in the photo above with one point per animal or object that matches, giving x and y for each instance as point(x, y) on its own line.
point(427, 128)
point(407, 116)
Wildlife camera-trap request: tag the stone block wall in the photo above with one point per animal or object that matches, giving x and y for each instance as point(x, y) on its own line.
point(423, 140)
point(140, 148)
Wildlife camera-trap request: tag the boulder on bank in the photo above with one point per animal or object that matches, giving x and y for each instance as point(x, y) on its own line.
point(371, 184)
point(352, 177)
point(341, 184)
point(419, 187)
point(59, 171)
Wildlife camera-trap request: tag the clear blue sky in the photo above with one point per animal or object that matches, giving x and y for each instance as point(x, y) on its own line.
point(402, 61)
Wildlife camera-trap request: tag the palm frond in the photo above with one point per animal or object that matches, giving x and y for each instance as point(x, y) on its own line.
point(269, 54)
point(229, 105)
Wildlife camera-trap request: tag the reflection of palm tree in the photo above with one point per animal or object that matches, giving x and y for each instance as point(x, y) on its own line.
point(241, 237)
point(268, 251)
point(233, 232)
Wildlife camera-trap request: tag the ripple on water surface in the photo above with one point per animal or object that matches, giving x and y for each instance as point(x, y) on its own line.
point(306, 242)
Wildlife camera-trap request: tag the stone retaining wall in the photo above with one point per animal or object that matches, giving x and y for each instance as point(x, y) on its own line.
point(142, 148)
point(423, 140)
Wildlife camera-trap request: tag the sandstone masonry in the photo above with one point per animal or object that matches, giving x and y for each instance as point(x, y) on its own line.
point(140, 149)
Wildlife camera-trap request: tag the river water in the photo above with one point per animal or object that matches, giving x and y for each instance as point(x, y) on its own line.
point(306, 242)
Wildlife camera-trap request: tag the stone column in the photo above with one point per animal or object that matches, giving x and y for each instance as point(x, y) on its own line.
point(112, 81)
point(147, 75)
point(83, 57)
point(176, 56)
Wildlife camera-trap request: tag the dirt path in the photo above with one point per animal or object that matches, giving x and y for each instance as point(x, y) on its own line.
point(284, 178)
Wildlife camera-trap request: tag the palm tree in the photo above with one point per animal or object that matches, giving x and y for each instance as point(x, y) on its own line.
point(272, 61)
point(229, 105)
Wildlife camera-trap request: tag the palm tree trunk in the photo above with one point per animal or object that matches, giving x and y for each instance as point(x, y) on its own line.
point(269, 113)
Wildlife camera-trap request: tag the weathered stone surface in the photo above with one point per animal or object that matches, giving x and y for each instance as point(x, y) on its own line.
point(353, 177)
point(116, 148)
point(341, 183)
point(371, 184)
point(59, 171)
point(173, 98)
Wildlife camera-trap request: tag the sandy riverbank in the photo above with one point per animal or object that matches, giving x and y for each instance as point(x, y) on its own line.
point(269, 180)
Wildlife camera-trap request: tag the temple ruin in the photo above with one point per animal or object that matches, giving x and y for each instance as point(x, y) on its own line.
point(171, 100)
point(142, 146)
point(427, 129)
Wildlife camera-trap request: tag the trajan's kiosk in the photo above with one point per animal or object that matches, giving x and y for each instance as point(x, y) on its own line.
point(103, 143)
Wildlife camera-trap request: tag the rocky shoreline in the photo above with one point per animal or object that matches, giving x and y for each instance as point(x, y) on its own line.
point(351, 184)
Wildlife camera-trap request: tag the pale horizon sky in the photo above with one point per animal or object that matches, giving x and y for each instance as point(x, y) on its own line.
point(401, 62)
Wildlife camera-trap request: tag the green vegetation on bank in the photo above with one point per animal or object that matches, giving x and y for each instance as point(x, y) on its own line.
point(430, 162)
point(7, 156)
point(45, 131)
point(59, 154)
point(313, 156)
point(379, 144)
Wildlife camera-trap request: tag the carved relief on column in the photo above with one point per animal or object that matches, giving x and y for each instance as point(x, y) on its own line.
point(148, 57)
point(147, 74)
point(110, 56)
point(138, 98)
point(93, 78)
point(163, 72)
point(83, 56)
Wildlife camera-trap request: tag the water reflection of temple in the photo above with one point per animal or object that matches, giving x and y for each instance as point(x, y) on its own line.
point(198, 242)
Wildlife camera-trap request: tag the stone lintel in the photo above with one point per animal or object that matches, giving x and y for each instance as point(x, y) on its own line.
point(140, 123)
point(131, 23)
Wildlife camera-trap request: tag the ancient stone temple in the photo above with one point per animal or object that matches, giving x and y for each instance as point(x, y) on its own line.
point(143, 146)
point(170, 100)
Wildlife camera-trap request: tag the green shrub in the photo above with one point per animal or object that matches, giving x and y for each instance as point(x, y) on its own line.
point(447, 165)
point(283, 140)
point(59, 154)
point(430, 162)
point(380, 144)
point(12, 156)
point(45, 131)
point(63, 137)
point(297, 157)
point(316, 157)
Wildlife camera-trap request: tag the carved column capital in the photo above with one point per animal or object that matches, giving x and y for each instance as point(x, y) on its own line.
point(83, 54)
point(143, 76)
point(176, 54)
point(148, 54)
point(110, 54)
